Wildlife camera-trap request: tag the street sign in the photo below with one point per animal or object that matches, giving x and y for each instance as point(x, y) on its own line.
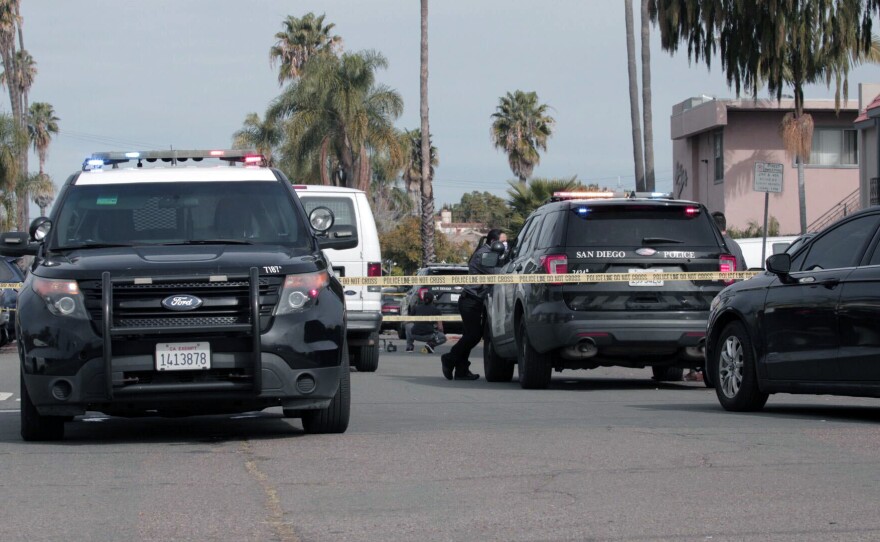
point(768, 177)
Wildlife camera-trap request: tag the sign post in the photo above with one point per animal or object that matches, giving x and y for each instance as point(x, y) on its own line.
point(768, 178)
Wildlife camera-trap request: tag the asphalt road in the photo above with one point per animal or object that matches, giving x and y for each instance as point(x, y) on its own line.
point(602, 455)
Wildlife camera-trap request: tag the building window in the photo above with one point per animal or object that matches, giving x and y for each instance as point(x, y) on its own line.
point(834, 147)
point(718, 154)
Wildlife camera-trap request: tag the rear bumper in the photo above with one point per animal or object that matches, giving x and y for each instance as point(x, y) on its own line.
point(363, 322)
point(616, 334)
point(86, 389)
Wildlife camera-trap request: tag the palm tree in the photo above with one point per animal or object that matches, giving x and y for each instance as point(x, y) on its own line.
point(647, 114)
point(411, 141)
point(775, 42)
point(521, 127)
point(42, 189)
point(42, 125)
point(12, 142)
point(300, 40)
point(638, 154)
point(335, 113)
point(265, 136)
point(524, 197)
point(427, 174)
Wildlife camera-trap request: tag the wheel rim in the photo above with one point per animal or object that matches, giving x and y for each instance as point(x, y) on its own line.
point(730, 366)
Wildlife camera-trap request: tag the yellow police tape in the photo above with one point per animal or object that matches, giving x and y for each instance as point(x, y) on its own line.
point(568, 278)
point(442, 318)
point(13, 285)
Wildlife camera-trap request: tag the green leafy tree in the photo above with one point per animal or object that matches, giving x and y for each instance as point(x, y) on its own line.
point(780, 43)
point(403, 246)
point(300, 40)
point(482, 207)
point(263, 135)
point(521, 127)
point(335, 113)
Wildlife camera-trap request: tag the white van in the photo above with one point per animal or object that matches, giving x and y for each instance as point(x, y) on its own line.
point(751, 248)
point(363, 304)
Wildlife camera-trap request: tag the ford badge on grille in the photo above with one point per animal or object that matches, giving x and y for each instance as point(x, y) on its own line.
point(182, 302)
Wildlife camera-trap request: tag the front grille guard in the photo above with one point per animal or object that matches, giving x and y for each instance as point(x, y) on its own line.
point(109, 331)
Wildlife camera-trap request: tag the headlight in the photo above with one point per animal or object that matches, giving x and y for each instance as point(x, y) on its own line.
point(62, 297)
point(300, 291)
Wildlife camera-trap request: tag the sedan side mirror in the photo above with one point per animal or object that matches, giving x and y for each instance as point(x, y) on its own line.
point(779, 264)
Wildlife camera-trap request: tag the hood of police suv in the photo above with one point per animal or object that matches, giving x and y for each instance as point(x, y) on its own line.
point(144, 261)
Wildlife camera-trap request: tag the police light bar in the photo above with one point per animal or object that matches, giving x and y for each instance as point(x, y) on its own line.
point(650, 195)
point(100, 159)
point(561, 196)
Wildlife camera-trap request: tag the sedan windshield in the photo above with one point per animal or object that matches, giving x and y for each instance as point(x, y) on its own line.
point(252, 212)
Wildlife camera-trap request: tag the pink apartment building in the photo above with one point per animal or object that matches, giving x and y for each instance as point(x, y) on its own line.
point(717, 142)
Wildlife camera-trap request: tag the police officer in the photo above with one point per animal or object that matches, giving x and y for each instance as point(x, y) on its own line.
point(470, 306)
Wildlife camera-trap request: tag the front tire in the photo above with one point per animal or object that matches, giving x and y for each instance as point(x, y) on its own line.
point(734, 366)
point(366, 358)
point(35, 426)
point(497, 368)
point(334, 418)
point(535, 369)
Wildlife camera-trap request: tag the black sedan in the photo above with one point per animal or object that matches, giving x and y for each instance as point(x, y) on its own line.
point(809, 324)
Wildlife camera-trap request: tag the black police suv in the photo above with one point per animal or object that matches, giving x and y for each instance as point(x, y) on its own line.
point(445, 296)
point(179, 291)
point(544, 327)
point(807, 325)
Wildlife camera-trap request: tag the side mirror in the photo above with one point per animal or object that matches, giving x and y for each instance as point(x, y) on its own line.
point(779, 264)
point(16, 244)
point(321, 219)
point(40, 228)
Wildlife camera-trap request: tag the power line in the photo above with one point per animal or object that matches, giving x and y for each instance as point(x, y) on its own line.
point(110, 140)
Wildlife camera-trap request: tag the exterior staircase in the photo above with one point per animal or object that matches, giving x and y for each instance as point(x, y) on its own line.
point(844, 207)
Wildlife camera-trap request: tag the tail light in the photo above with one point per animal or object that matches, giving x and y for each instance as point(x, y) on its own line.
point(374, 269)
point(422, 293)
point(555, 264)
point(727, 264)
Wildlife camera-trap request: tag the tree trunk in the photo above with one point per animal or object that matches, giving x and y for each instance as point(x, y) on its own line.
point(363, 170)
point(646, 99)
point(324, 167)
point(638, 157)
point(428, 253)
point(802, 195)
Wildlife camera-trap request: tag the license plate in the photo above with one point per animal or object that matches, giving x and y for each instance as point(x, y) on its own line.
point(646, 282)
point(454, 297)
point(183, 356)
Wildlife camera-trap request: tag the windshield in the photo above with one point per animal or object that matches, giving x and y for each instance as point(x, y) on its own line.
point(252, 212)
point(638, 225)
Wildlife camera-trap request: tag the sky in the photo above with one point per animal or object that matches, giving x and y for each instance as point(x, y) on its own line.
point(152, 74)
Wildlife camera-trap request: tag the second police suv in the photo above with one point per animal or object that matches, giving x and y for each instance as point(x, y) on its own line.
point(180, 290)
point(539, 328)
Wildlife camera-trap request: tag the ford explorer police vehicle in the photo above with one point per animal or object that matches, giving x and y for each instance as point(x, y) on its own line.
point(660, 324)
point(180, 290)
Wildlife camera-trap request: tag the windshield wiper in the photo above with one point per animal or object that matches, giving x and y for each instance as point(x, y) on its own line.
point(659, 240)
point(92, 245)
point(210, 242)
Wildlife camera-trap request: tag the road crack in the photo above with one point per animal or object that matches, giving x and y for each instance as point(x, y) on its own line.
point(283, 529)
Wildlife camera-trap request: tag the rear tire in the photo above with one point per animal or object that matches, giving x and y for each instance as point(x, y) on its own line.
point(334, 418)
point(366, 358)
point(667, 374)
point(534, 369)
point(734, 367)
point(497, 368)
point(34, 426)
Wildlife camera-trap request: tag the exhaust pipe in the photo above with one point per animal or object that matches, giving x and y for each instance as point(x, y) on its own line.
point(586, 348)
point(697, 352)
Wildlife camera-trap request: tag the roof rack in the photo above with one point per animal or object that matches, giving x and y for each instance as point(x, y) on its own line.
point(113, 158)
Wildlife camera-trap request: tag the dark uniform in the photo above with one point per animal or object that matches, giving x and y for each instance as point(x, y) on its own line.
point(472, 310)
